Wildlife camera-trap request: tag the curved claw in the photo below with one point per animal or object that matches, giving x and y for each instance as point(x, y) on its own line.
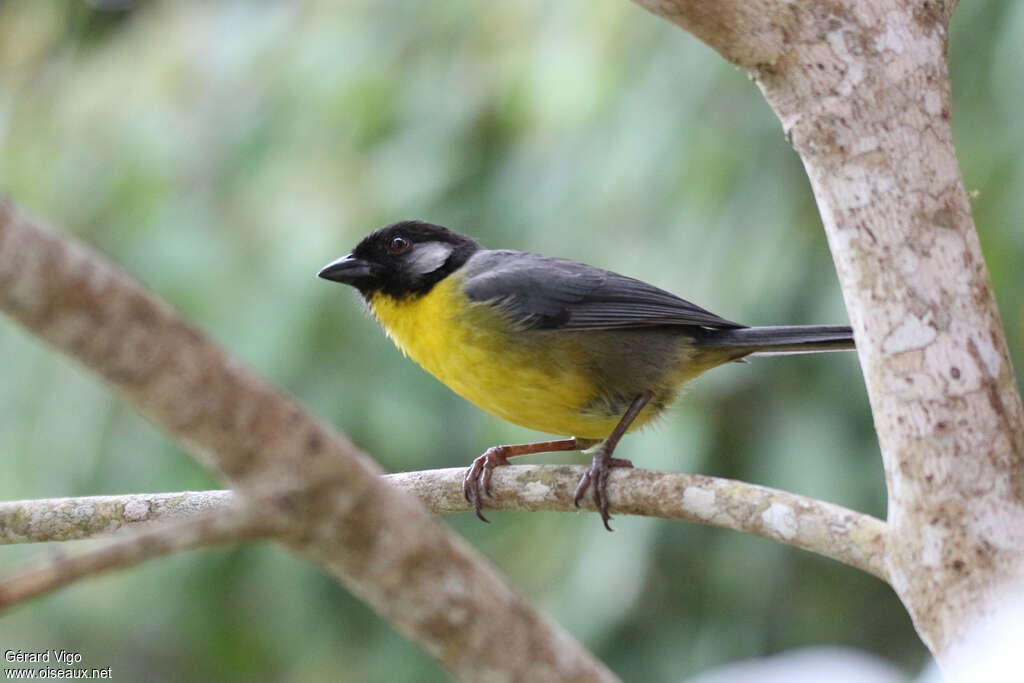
point(581, 488)
point(471, 488)
point(478, 476)
point(597, 475)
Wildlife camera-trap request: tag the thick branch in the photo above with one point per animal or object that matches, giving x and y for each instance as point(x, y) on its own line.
point(381, 543)
point(862, 90)
point(850, 537)
point(746, 32)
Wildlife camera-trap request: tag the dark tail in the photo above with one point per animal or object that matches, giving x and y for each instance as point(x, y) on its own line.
point(777, 340)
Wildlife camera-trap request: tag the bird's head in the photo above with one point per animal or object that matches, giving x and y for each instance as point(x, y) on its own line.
point(402, 259)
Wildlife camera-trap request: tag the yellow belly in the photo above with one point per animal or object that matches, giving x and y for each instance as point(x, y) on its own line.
point(533, 379)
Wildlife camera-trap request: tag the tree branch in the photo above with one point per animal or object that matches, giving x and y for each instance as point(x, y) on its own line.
point(862, 90)
point(850, 537)
point(383, 545)
point(68, 519)
point(214, 527)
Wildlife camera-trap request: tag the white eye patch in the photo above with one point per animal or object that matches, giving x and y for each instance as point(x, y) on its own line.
point(428, 257)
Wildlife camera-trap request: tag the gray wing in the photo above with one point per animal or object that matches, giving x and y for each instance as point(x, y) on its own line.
point(540, 292)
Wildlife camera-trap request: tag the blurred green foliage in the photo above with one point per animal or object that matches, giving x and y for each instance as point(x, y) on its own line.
point(223, 152)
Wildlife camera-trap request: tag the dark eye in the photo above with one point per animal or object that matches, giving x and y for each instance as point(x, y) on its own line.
point(398, 245)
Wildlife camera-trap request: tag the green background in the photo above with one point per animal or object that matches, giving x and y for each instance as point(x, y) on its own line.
point(223, 152)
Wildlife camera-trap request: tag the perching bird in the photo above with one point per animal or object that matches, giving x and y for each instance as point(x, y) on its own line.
point(546, 343)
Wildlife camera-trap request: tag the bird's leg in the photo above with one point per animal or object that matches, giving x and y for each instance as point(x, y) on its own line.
point(597, 474)
point(477, 481)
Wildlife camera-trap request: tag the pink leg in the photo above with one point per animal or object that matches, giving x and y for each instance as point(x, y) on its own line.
point(603, 461)
point(478, 475)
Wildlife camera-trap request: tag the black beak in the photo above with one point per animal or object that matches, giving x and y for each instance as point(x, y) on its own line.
point(348, 269)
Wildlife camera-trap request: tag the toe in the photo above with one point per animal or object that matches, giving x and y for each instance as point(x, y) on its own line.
point(581, 488)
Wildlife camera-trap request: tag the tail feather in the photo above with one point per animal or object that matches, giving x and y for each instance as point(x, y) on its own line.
point(782, 339)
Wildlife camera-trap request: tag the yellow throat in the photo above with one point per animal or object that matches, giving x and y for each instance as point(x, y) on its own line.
point(533, 379)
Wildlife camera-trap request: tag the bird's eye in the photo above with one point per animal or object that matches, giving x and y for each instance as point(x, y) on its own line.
point(398, 245)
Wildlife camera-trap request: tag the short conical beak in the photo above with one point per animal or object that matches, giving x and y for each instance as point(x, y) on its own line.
point(347, 269)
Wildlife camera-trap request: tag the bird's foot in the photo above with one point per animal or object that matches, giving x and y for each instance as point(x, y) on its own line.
point(477, 482)
point(596, 477)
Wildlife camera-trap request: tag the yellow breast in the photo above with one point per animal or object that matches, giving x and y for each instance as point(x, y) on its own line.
point(533, 379)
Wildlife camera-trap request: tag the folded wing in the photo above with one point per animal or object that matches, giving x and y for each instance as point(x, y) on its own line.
point(539, 292)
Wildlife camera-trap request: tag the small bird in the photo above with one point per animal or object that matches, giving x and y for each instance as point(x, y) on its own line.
point(550, 344)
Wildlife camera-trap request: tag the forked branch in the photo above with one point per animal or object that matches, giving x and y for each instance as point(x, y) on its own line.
point(228, 525)
point(862, 90)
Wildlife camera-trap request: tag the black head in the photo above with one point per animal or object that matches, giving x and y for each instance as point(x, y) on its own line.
point(402, 259)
